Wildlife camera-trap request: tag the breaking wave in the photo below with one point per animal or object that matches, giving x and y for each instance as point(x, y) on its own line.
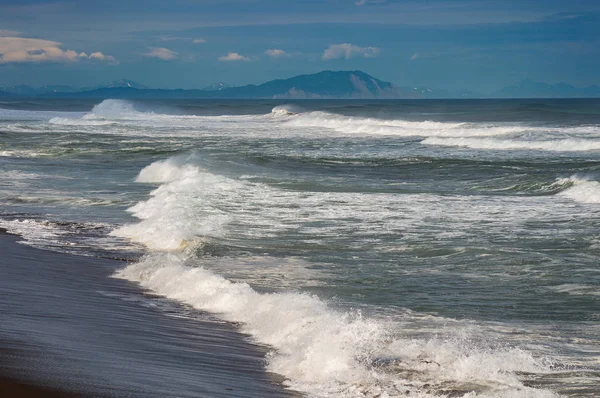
point(581, 190)
point(321, 350)
point(286, 110)
point(325, 352)
point(558, 145)
point(393, 127)
point(176, 213)
point(107, 112)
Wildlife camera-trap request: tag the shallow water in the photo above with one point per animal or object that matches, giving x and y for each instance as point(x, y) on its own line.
point(407, 248)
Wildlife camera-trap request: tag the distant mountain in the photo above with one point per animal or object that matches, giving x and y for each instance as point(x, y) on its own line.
point(326, 84)
point(532, 89)
point(217, 86)
point(323, 85)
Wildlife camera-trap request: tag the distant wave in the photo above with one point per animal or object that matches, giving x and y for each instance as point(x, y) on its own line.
point(114, 109)
point(488, 136)
point(581, 190)
point(395, 127)
point(539, 188)
point(557, 145)
point(79, 122)
point(576, 188)
point(286, 110)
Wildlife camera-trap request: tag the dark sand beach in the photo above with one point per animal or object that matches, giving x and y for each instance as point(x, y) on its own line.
point(68, 329)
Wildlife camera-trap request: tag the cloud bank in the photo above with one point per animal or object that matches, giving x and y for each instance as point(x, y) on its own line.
point(233, 57)
point(347, 51)
point(21, 49)
point(161, 53)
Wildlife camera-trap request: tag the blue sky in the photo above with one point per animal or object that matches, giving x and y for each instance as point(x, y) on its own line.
point(455, 44)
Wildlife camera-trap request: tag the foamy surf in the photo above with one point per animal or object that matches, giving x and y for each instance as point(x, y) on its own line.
point(320, 350)
point(174, 215)
point(558, 145)
point(581, 190)
point(324, 352)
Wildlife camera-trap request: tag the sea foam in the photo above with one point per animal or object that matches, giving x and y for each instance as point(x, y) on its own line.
point(325, 352)
point(395, 127)
point(175, 214)
point(319, 349)
point(581, 190)
point(558, 145)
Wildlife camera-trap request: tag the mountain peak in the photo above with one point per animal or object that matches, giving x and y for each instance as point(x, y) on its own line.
point(325, 84)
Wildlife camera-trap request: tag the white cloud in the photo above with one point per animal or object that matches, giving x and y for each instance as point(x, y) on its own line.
point(347, 51)
point(415, 56)
point(20, 49)
point(101, 57)
point(275, 53)
point(161, 53)
point(234, 57)
point(198, 41)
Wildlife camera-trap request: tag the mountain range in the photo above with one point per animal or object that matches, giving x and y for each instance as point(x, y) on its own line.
point(322, 85)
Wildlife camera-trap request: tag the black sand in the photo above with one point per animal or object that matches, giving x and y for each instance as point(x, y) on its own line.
point(67, 329)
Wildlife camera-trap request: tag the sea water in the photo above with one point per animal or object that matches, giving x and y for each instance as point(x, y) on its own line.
point(383, 248)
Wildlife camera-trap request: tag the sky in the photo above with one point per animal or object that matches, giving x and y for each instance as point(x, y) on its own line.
point(478, 45)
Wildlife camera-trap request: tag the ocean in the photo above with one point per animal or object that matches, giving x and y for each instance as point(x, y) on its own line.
point(413, 248)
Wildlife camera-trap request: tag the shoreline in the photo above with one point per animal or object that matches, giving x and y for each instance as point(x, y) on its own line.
point(67, 329)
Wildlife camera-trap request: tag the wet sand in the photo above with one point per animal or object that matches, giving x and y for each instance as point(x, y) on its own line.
point(14, 388)
point(68, 329)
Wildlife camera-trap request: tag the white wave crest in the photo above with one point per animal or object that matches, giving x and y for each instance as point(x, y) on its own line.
point(559, 145)
point(23, 153)
point(166, 171)
point(582, 190)
point(576, 289)
point(61, 121)
point(179, 211)
point(113, 109)
point(324, 352)
point(285, 111)
point(374, 126)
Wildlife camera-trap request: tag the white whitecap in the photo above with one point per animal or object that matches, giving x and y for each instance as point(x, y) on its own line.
point(582, 190)
point(557, 145)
